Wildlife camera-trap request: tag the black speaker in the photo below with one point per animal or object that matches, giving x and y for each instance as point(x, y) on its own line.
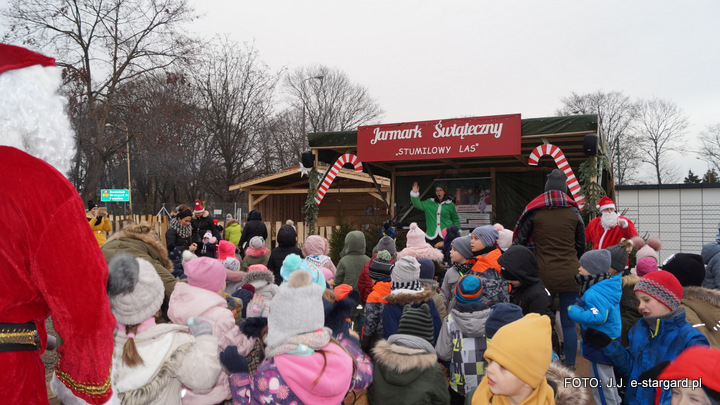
point(590, 144)
point(308, 159)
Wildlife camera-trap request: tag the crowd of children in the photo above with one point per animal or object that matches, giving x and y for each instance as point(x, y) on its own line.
point(292, 327)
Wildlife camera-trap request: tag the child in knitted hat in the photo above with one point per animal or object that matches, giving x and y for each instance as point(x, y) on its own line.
point(405, 289)
point(462, 337)
point(365, 281)
point(516, 368)
point(660, 335)
point(208, 247)
point(427, 278)
point(461, 256)
point(233, 275)
point(406, 370)
point(484, 246)
point(316, 249)
point(302, 363)
point(152, 362)
point(379, 271)
point(255, 253)
point(264, 282)
point(696, 364)
point(294, 263)
point(598, 306)
point(202, 296)
point(418, 247)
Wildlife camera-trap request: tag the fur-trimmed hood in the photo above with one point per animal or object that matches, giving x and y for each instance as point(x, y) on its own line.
point(402, 298)
point(702, 294)
point(630, 280)
point(403, 364)
point(148, 239)
point(565, 394)
point(259, 278)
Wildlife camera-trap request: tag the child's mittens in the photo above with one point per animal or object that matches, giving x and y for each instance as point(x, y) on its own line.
point(199, 326)
point(233, 361)
point(255, 307)
point(597, 338)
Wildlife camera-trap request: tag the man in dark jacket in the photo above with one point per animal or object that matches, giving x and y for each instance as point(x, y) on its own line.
point(286, 244)
point(552, 228)
point(253, 227)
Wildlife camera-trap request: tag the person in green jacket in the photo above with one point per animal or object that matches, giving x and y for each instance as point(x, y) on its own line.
point(233, 231)
point(439, 211)
point(352, 261)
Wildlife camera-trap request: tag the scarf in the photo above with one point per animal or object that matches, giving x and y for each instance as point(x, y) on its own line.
point(587, 281)
point(183, 232)
point(542, 395)
point(302, 345)
point(464, 268)
point(547, 200)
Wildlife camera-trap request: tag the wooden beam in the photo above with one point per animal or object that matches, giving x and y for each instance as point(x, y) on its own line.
point(387, 204)
point(330, 190)
point(379, 197)
point(262, 197)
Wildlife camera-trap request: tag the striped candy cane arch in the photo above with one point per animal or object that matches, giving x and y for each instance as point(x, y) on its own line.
point(562, 164)
point(346, 158)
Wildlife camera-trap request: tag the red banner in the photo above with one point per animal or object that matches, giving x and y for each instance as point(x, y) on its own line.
point(496, 135)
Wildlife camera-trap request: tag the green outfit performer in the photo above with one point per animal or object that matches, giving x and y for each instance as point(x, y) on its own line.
point(439, 211)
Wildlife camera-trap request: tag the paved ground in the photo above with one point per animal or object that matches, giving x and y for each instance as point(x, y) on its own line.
point(50, 358)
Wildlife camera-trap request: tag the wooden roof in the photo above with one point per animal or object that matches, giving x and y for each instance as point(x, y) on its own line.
point(290, 179)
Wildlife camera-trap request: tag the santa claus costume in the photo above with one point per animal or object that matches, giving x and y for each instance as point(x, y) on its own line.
point(609, 228)
point(50, 261)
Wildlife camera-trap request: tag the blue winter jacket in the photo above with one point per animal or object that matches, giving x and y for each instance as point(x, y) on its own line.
point(602, 312)
point(711, 256)
point(648, 347)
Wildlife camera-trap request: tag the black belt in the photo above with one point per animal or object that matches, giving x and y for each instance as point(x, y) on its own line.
point(18, 336)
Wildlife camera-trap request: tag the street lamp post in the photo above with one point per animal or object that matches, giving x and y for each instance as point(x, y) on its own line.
point(318, 77)
point(127, 148)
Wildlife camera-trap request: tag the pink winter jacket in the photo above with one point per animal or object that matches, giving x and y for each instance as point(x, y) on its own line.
point(188, 302)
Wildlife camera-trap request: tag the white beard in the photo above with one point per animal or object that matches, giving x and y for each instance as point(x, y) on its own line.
point(32, 115)
point(609, 219)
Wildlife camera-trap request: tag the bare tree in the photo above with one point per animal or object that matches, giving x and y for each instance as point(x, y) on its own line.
point(710, 150)
point(101, 44)
point(329, 99)
point(236, 90)
point(616, 114)
point(660, 127)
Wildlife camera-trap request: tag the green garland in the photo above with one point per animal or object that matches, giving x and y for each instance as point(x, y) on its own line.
point(590, 171)
point(310, 209)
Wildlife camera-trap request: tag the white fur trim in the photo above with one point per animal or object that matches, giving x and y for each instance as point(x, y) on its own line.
point(152, 354)
point(604, 207)
point(66, 396)
point(414, 194)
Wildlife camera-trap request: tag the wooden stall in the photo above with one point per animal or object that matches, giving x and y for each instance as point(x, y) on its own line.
point(281, 196)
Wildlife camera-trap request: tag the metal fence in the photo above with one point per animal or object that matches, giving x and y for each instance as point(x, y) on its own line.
point(680, 227)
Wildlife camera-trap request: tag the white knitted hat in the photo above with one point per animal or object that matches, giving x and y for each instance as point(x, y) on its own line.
point(297, 308)
point(134, 288)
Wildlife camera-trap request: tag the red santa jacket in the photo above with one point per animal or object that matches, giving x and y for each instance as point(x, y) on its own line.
point(51, 265)
point(602, 238)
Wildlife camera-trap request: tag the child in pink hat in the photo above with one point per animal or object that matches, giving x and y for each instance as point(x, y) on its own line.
point(202, 297)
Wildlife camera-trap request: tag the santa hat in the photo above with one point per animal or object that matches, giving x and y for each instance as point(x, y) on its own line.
point(198, 207)
point(14, 57)
point(605, 203)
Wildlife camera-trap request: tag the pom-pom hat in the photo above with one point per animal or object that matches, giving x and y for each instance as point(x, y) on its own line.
point(198, 207)
point(297, 308)
point(662, 286)
point(134, 288)
point(205, 272)
point(605, 203)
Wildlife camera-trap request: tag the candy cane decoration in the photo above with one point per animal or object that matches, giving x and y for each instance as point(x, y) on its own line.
point(346, 158)
point(562, 164)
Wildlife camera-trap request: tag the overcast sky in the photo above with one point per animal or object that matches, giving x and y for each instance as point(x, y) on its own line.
point(426, 60)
